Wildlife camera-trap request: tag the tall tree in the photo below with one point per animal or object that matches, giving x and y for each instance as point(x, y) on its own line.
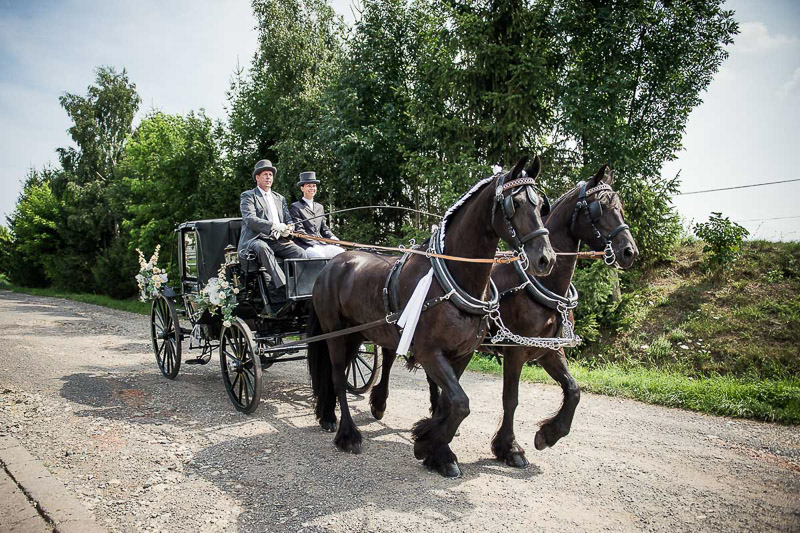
point(366, 120)
point(34, 232)
point(102, 120)
point(275, 107)
point(173, 171)
point(632, 72)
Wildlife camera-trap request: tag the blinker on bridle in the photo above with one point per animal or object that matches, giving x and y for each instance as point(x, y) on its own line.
point(509, 210)
point(594, 210)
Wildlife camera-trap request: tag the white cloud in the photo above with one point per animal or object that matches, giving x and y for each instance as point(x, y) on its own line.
point(790, 86)
point(755, 38)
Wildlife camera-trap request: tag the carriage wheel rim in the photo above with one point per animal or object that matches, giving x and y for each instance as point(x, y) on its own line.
point(240, 378)
point(164, 334)
point(360, 373)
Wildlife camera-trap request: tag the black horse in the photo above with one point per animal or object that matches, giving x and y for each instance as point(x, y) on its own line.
point(349, 292)
point(591, 213)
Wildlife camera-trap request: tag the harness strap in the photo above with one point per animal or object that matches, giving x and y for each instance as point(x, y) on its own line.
point(461, 299)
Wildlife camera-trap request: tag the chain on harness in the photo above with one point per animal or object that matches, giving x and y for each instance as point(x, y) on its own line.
point(568, 340)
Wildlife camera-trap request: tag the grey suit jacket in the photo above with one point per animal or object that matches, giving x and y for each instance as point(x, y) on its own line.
point(256, 222)
point(317, 227)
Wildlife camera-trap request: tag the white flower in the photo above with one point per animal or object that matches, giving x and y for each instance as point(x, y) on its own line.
point(221, 295)
point(226, 323)
point(214, 298)
point(156, 270)
point(235, 290)
point(163, 278)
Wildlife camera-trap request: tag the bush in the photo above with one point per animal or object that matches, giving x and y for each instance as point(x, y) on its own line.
point(598, 289)
point(115, 269)
point(723, 240)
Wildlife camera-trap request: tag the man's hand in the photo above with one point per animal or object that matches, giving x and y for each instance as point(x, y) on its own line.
point(277, 229)
point(288, 231)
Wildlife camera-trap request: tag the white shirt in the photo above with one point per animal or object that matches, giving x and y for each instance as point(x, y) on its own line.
point(273, 210)
point(309, 202)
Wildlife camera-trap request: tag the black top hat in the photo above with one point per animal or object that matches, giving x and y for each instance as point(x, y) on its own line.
point(308, 177)
point(264, 164)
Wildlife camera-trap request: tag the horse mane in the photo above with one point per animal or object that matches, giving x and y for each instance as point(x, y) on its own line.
point(464, 197)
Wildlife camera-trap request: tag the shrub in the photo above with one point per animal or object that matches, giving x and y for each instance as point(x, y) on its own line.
point(723, 240)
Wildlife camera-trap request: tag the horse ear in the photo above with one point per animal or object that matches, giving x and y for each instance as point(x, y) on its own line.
point(604, 175)
point(518, 168)
point(535, 169)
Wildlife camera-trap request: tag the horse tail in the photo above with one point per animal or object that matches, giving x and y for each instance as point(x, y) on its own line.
point(319, 364)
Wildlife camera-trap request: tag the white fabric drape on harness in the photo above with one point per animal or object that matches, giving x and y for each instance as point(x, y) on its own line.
point(408, 320)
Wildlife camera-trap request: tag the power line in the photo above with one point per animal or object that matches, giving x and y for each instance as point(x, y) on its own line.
point(764, 219)
point(738, 187)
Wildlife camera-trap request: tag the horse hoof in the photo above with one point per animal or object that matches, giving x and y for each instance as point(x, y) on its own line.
point(349, 447)
point(539, 441)
point(378, 414)
point(449, 469)
point(420, 449)
point(517, 460)
point(328, 425)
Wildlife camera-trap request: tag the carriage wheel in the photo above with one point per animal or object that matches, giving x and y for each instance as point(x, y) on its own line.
point(241, 371)
point(166, 336)
point(363, 369)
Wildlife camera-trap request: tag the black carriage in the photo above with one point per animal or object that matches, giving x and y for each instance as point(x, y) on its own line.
point(254, 340)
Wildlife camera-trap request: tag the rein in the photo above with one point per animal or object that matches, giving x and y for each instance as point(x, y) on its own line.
point(501, 259)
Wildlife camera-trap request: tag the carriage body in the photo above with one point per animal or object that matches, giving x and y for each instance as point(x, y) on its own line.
point(255, 339)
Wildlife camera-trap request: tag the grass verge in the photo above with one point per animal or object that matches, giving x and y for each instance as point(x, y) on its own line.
point(772, 400)
point(132, 306)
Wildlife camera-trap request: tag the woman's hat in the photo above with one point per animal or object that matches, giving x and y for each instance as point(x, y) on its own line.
point(308, 177)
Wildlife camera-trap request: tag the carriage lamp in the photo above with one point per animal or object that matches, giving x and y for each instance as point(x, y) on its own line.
point(231, 257)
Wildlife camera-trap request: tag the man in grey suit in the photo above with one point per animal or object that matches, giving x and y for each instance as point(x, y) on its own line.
point(265, 224)
point(309, 219)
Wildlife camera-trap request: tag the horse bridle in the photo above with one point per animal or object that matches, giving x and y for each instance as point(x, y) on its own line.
point(509, 211)
point(594, 210)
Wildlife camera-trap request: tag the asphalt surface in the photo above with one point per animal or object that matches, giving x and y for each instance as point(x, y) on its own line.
point(80, 392)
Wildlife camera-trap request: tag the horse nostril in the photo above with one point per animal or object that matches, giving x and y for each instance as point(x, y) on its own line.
point(543, 262)
point(627, 253)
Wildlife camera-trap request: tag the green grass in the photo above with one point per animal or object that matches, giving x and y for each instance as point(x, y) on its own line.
point(773, 400)
point(132, 306)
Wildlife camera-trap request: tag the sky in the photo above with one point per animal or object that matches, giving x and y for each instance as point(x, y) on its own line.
point(181, 55)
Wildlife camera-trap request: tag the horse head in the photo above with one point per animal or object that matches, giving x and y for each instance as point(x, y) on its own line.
point(599, 220)
point(517, 217)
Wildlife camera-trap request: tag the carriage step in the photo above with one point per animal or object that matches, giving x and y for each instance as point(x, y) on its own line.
point(198, 361)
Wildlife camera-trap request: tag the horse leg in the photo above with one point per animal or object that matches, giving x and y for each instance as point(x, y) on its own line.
point(433, 389)
point(557, 426)
point(504, 443)
point(319, 368)
point(348, 437)
point(433, 435)
point(380, 392)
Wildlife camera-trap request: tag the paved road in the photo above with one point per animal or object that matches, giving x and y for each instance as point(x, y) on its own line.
point(80, 390)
